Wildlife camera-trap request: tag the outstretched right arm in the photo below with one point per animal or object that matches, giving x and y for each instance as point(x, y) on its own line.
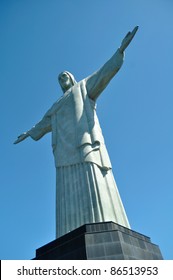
point(38, 131)
point(21, 137)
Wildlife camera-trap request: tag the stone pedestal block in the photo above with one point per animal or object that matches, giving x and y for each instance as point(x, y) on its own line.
point(100, 241)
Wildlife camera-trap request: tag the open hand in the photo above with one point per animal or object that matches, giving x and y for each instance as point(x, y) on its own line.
point(21, 137)
point(127, 39)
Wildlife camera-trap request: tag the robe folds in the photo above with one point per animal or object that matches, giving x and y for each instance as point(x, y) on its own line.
point(86, 191)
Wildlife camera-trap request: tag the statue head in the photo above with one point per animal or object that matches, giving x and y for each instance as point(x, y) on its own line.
point(66, 80)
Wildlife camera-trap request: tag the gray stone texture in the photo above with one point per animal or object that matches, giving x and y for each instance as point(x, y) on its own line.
point(101, 241)
point(86, 191)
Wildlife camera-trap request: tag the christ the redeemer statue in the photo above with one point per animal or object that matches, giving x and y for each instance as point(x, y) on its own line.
point(86, 191)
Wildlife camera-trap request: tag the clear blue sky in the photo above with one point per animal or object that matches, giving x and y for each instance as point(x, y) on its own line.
point(39, 39)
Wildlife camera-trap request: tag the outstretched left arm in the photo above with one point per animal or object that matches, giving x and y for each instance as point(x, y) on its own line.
point(97, 82)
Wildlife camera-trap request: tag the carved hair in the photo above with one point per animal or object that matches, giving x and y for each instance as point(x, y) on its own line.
point(70, 75)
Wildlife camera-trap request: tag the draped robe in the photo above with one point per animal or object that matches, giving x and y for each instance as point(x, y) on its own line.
point(86, 191)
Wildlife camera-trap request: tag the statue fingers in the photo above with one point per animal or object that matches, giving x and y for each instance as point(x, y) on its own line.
point(21, 137)
point(130, 35)
point(134, 32)
point(127, 35)
point(17, 141)
point(128, 38)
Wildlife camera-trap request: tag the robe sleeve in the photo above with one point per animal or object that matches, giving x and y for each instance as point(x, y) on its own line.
point(41, 128)
point(97, 82)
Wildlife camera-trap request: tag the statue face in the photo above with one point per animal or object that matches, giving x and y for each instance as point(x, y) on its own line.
point(65, 81)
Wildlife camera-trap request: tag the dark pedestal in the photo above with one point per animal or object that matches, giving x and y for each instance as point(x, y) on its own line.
point(100, 241)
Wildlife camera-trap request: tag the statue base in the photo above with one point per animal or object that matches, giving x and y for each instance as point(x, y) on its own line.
point(100, 241)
